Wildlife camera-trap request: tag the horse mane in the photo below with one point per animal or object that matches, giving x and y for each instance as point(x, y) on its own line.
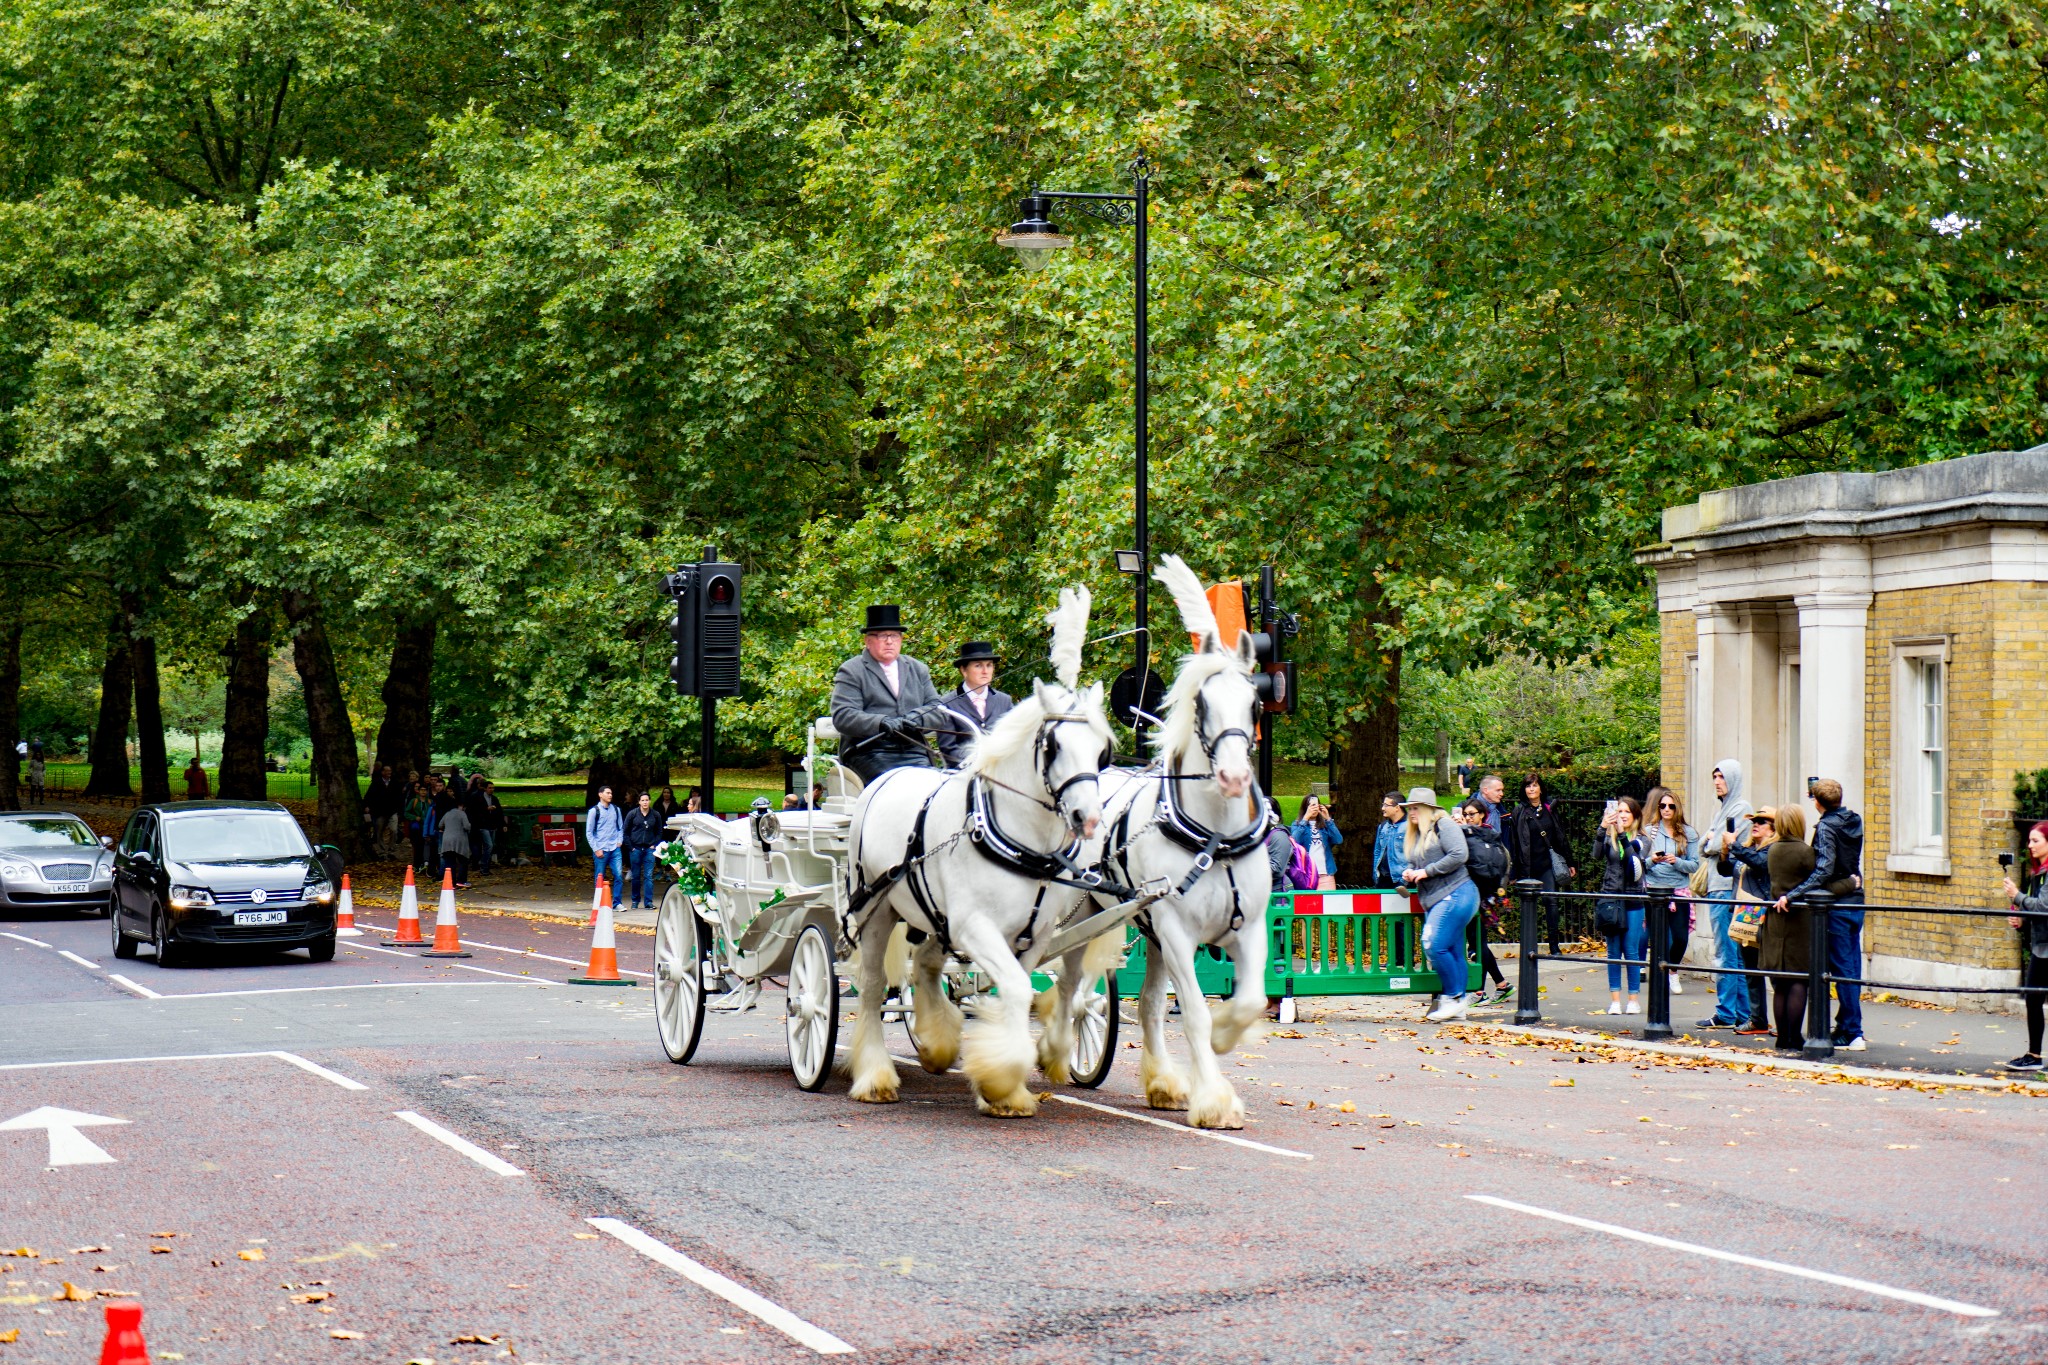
point(1176, 733)
point(1010, 736)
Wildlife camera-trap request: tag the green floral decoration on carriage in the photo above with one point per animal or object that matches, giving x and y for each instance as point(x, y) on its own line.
point(689, 873)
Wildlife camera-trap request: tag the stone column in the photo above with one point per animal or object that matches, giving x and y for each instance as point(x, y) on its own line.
point(1833, 627)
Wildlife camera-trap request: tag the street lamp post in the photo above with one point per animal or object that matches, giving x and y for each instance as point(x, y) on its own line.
point(1034, 237)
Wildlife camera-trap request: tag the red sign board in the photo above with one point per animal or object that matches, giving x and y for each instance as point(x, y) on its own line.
point(558, 840)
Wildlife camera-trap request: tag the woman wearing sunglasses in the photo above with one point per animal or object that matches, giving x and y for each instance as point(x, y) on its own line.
point(1671, 850)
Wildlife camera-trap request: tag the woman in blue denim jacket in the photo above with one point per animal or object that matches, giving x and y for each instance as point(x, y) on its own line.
point(1671, 849)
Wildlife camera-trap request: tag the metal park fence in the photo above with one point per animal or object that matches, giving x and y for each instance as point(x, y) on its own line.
point(1657, 965)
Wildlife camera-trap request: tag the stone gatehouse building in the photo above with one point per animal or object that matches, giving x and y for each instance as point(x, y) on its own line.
point(1890, 631)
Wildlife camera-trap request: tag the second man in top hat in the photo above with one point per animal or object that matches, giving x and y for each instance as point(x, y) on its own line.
point(883, 700)
point(976, 699)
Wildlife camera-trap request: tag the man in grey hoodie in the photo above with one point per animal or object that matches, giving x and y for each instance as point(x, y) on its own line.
point(1730, 826)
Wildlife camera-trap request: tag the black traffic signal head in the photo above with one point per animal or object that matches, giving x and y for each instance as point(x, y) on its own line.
point(705, 629)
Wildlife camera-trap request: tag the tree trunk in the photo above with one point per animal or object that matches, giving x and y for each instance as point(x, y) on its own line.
point(406, 738)
point(1368, 767)
point(247, 729)
point(1443, 761)
point(109, 752)
point(10, 712)
point(340, 818)
point(149, 710)
point(627, 776)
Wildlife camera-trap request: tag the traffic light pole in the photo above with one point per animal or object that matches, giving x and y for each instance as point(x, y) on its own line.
point(1266, 624)
point(707, 765)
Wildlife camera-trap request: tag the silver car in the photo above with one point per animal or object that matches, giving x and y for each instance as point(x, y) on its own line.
point(53, 861)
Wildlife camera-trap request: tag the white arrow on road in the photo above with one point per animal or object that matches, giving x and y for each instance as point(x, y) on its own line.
point(68, 1146)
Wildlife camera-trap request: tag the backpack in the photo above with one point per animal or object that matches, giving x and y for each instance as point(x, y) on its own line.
point(1485, 855)
point(1300, 871)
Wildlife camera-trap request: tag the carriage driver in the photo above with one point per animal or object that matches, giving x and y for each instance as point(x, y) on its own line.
point(977, 700)
point(883, 700)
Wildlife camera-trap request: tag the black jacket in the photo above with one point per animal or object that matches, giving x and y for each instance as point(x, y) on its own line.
point(1837, 856)
point(1621, 864)
point(643, 831)
point(1533, 834)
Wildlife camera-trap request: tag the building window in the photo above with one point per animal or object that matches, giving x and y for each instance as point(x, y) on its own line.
point(1920, 758)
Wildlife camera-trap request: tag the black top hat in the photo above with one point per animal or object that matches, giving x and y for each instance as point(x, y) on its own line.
point(974, 651)
point(887, 616)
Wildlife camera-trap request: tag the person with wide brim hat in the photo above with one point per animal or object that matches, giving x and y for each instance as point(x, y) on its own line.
point(976, 701)
point(883, 701)
point(1436, 851)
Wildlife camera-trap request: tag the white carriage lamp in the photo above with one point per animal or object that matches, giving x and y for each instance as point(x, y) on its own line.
point(1034, 236)
point(1129, 561)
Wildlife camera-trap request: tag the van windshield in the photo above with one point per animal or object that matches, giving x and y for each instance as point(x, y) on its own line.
point(233, 836)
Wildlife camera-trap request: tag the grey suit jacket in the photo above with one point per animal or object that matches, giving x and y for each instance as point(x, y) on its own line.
point(861, 699)
point(954, 747)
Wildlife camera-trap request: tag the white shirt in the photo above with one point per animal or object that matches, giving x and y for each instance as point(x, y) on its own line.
point(890, 673)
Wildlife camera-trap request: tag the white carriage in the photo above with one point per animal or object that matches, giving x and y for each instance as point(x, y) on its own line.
point(765, 897)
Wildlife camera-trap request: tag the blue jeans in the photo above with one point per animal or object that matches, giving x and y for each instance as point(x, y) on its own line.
point(1630, 943)
point(1443, 937)
point(642, 862)
point(485, 842)
point(1845, 958)
point(610, 863)
point(1731, 993)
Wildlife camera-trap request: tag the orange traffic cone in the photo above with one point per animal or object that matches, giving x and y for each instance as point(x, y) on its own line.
point(604, 948)
point(597, 893)
point(123, 1345)
point(447, 938)
point(345, 913)
point(409, 916)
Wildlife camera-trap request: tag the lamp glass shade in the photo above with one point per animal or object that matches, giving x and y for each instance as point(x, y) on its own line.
point(1034, 248)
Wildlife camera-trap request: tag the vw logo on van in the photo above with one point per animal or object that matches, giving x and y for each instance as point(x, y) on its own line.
point(258, 896)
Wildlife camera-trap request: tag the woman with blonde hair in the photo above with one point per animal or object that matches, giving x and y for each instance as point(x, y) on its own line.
point(1771, 861)
point(1619, 848)
point(1436, 852)
point(1671, 854)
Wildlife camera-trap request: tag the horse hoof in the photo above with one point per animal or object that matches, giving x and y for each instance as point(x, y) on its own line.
point(880, 1090)
point(936, 1062)
point(1021, 1105)
point(1163, 1094)
point(1223, 1110)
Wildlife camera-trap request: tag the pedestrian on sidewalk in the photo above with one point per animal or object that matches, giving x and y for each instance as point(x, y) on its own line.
point(1537, 848)
point(1838, 870)
point(456, 845)
point(480, 806)
point(605, 827)
point(1673, 849)
point(694, 802)
point(666, 805)
point(1619, 848)
point(1436, 853)
point(196, 786)
point(36, 773)
point(2030, 904)
point(1731, 825)
point(439, 803)
point(1279, 848)
point(1318, 833)
point(1492, 797)
point(643, 830)
point(415, 813)
point(1775, 859)
point(1486, 862)
point(1388, 859)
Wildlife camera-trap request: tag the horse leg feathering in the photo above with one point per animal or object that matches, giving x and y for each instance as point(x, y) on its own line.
point(935, 1019)
point(997, 1052)
point(1166, 1085)
point(874, 1073)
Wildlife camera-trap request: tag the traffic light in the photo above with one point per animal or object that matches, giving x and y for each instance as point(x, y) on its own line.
point(705, 629)
point(1275, 675)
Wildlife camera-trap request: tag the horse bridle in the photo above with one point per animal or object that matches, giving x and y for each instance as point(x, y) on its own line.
point(1210, 743)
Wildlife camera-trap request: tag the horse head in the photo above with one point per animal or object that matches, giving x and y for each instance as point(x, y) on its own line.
point(1213, 707)
point(1074, 746)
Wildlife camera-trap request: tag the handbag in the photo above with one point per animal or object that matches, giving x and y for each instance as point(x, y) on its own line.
point(1697, 882)
point(1747, 917)
point(1560, 870)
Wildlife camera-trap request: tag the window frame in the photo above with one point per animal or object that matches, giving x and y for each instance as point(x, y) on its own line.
point(1913, 848)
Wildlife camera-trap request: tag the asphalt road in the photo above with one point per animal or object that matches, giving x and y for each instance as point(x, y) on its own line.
point(261, 1101)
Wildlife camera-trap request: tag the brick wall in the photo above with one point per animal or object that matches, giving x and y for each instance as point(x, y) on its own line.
point(1997, 723)
point(1679, 640)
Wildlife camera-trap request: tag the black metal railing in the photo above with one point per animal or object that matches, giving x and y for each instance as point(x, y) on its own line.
point(1818, 1041)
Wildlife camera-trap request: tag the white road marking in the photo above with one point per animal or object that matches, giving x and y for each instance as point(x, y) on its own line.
point(292, 1057)
point(1968, 1310)
point(464, 966)
point(734, 1293)
point(89, 966)
point(495, 1165)
point(468, 942)
point(1183, 1128)
point(357, 986)
point(145, 992)
point(23, 938)
point(68, 1146)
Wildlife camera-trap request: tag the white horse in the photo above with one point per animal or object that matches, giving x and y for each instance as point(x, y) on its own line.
point(968, 860)
point(1197, 820)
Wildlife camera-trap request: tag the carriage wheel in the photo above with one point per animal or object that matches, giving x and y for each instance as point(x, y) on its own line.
point(813, 1008)
point(1095, 1025)
point(678, 976)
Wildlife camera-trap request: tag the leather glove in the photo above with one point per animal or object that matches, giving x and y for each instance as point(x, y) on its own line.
point(903, 727)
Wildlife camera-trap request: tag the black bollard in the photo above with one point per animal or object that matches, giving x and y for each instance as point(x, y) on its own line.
point(1657, 925)
point(1820, 1035)
point(1528, 892)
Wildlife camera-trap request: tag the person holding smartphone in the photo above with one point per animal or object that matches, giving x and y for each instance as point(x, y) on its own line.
point(1673, 847)
point(1318, 833)
point(1619, 847)
point(2030, 904)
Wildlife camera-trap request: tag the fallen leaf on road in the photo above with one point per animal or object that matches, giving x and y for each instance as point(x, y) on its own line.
point(30, 1252)
point(12, 1334)
point(72, 1294)
point(1288, 1103)
point(1902, 1146)
point(163, 1234)
point(1347, 1108)
point(316, 1296)
point(343, 1334)
point(159, 1251)
point(105, 1269)
point(476, 1339)
point(585, 1236)
point(1285, 1033)
point(87, 1251)
point(1562, 1081)
point(252, 1254)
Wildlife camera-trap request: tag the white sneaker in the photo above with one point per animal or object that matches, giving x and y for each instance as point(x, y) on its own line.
point(1857, 1044)
point(1676, 988)
point(1633, 1008)
point(1451, 1008)
point(1614, 1007)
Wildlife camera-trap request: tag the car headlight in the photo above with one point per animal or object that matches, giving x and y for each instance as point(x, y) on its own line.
point(10, 868)
point(320, 892)
point(185, 897)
